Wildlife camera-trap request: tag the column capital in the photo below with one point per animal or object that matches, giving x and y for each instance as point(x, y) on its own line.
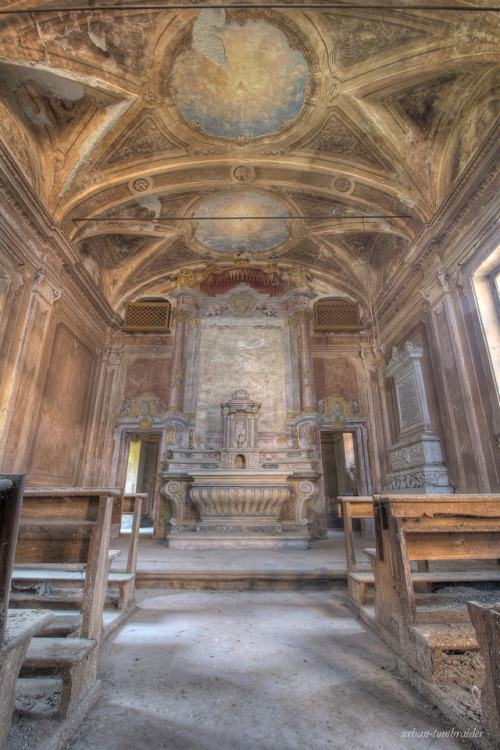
point(302, 316)
point(181, 315)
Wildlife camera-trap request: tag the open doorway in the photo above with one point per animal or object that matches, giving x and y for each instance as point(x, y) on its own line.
point(142, 472)
point(341, 474)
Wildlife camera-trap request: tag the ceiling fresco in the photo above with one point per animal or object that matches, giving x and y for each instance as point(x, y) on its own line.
point(327, 135)
point(251, 83)
point(264, 230)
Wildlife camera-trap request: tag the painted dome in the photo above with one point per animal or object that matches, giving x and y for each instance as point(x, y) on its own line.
point(263, 229)
point(240, 80)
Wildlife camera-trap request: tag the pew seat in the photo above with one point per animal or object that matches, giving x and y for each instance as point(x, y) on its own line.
point(73, 659)
point(124, 582)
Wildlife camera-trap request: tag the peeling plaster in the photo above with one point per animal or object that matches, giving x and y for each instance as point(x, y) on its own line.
point(150, 202)
point(40, 118)
point(205, 38)
point(114, 112)
point(406, 201)
point(53, 84)
point(31, 72)
point(99, 40)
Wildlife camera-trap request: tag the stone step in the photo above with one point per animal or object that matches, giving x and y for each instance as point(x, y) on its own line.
point(242, 581)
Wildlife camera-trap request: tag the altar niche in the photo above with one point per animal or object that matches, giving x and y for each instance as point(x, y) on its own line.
point(240, 432)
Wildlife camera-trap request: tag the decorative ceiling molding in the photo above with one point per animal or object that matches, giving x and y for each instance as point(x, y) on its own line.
point(338, 136)
point(357, 39)
point(146, 137)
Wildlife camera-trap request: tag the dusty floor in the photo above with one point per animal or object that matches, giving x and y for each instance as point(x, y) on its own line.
point(209, 670)
point(243, 670)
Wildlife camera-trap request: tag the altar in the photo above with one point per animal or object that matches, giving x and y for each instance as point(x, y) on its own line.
point(241, 446)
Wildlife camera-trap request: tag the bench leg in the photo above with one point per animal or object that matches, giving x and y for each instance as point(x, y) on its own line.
point(9, 670)
point(77, 678)
point(357, 590)
point(126, 594)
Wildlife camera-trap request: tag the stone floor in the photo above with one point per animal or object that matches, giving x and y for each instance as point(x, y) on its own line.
point(246, 670)
point(226, 670)
point(326, 556)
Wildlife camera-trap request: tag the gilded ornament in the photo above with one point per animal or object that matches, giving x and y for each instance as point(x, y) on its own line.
point(242, 305)
point(185, 278)
point(181, 315)
point(339, 408)
point(144, 408)
point(298, 276)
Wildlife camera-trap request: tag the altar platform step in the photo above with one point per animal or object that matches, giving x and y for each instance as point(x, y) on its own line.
point(320, 567)
point(216, 580)
point(238, 542)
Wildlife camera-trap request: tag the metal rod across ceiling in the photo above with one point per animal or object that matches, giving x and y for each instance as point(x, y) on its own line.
point(228, 6)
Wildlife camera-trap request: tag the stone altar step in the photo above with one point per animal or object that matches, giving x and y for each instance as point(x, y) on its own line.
point(238, 541)
point(247, 580)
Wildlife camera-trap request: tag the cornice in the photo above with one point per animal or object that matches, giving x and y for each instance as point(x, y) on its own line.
point(434, 237)
point(50, 238)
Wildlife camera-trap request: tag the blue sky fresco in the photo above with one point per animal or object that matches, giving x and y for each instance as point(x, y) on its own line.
point(253, 234)
point(261, 85)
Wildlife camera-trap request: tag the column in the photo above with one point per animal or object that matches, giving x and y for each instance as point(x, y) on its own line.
point(308, 390)
point(176, 393)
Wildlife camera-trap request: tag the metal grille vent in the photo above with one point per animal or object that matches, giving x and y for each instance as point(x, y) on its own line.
point(336, 315)
point(147, 316)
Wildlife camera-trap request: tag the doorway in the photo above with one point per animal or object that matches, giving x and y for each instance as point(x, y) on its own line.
point(341, 474)
point(142, 472)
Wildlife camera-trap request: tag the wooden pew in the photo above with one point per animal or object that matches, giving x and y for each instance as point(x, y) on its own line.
point(486, 622)
point(16, 627)
point(420, 528)
point(61, 575)
point(357, 581)
point(69, 526)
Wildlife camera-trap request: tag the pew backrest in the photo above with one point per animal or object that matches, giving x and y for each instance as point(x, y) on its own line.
point(349, 508)
point(433, 528)
point(72, 526)
point(11, 498)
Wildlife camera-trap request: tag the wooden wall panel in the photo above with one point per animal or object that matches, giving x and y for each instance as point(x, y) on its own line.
point(60, 433)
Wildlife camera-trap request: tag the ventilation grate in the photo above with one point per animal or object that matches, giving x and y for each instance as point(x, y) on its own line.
point(147, 316)
point(336, 315)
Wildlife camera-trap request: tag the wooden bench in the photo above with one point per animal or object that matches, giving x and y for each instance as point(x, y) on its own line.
point(69, 526)
point(357, 581)
point(68, 576)
point(486, 622)
point(425, 528)
point(16, 627)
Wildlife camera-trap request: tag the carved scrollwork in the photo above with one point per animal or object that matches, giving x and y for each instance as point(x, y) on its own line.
point(308, 491)
point(175, 491)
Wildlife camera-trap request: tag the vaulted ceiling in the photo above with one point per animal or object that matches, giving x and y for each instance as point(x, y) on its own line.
point(326, 135)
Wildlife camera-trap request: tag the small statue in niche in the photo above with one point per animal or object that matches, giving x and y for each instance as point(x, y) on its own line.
point(299, 276)
point(239, 462)
point(240, 434)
